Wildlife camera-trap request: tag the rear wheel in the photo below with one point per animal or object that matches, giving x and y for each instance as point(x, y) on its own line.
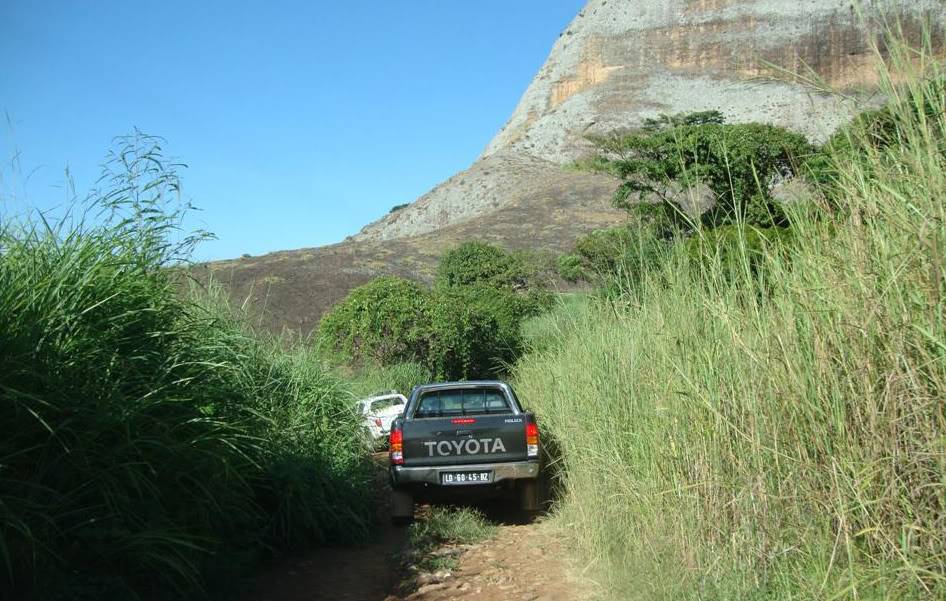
point(402, 507)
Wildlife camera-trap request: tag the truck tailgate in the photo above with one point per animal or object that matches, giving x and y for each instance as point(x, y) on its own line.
point(465, 440)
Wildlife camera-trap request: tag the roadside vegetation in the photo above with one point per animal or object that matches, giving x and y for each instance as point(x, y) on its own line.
point(378, 379)
point(446, 526)
point(750, 407)
point(751, 412)
point(151, 448)
point(467, 326)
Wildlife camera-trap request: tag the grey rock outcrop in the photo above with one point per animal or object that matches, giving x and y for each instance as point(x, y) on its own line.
point(621, 61)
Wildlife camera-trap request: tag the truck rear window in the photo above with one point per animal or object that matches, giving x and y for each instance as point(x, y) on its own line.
point(461, 401)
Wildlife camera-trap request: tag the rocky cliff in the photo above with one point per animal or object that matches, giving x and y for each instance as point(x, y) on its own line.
point(617, 63)
point(621, 61)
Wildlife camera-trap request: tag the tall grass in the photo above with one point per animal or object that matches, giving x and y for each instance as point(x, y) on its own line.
point(774, 427)
point(372, 379)
point(150, 447)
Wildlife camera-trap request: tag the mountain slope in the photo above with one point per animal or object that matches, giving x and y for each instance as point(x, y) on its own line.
point(618, 63)
point(621, 61)
point(290, 290)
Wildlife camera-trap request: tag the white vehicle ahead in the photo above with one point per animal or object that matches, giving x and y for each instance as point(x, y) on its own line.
point(378, 412)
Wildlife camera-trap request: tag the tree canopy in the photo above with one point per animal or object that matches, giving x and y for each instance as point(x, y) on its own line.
point(737, 164)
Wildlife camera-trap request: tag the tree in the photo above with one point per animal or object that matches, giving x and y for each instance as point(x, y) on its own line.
point(736, 164)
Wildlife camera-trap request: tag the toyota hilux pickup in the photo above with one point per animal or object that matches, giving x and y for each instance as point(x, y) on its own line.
point(463, 441)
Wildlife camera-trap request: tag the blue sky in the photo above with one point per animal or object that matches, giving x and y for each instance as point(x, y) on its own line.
point(300, 122)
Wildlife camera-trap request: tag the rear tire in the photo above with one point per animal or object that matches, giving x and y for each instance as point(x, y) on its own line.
point(402, 507)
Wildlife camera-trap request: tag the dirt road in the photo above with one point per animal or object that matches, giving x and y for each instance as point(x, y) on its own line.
point(523, 562)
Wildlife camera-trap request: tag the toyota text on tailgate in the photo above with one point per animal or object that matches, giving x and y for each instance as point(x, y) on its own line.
point(462, 440)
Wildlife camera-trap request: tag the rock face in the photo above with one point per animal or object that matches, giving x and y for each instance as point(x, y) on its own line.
point(621, 61)
point(617, 63)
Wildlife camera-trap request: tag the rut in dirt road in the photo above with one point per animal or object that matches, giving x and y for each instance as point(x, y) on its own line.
point(522, 562)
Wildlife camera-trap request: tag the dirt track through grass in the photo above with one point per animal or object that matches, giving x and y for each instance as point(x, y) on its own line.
point(522, 562)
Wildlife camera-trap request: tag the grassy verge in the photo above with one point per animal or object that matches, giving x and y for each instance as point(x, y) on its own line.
point(376, 379)
point(771, 427)
point(446, 526)
point(150, 447)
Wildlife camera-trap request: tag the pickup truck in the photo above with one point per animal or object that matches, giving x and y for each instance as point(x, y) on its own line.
point(463, 441)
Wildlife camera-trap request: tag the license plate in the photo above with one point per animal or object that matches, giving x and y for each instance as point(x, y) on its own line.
point(455, 478)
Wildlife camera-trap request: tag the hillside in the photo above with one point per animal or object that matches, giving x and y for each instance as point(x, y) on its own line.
point(616, 64)
point(290, 290)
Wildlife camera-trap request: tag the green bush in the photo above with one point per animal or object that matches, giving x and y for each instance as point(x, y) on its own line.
point(455, 333)
point(482, 266)
point(493, 319)
point(468, 326)
point(464, 336)
point(491, 291)
point(480, 263)
point(601, 254)
point(738, 164)
point(570, 268)
point(737, 249)
point(149, 447)
point(385, 322)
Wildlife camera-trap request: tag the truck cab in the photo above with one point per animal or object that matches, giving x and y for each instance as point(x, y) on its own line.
point(463, 441)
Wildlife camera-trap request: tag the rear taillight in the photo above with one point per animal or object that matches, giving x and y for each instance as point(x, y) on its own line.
point(396, 446)
point(377, 421)
point(532, 439)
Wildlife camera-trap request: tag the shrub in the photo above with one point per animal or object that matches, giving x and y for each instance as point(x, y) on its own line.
point(603, 253)
point(467, 327)
point(453, 333)
point(737, 249)
point(492, 320)
point(478, 263)
point(464, 338)
point(485, 267)
point(570, 267)
point(384, 321)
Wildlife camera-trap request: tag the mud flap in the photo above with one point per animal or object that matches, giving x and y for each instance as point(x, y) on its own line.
point(402, 506)
point(529, 495)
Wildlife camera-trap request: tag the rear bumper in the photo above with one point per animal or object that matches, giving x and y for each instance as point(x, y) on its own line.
point(518, 470)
